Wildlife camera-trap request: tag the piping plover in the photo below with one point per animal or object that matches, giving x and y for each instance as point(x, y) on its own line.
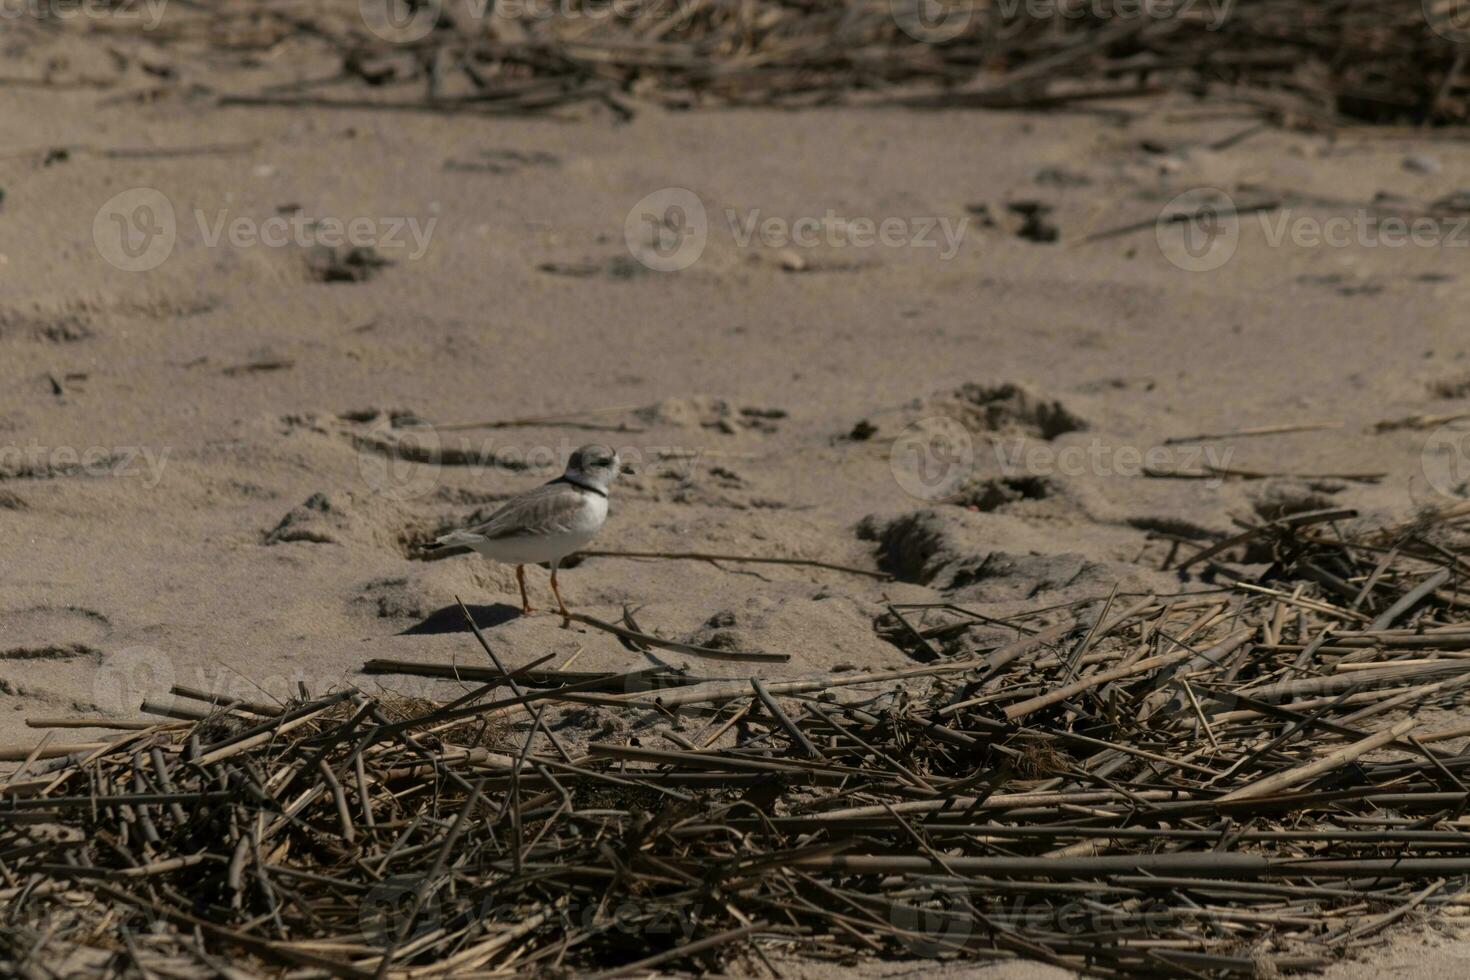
point(548, 523)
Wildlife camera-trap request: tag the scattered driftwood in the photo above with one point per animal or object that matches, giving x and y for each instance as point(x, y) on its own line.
point(1263, 430)
point(1209, 471)
point(1294, 62)
point(1216, 784)
point(1419, 422)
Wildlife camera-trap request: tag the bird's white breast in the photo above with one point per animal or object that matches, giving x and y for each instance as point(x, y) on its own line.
point(592, 514)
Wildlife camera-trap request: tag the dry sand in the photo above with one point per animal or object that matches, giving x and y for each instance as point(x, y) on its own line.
point(236, 539)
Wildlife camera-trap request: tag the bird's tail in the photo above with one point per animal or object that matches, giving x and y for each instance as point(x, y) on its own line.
point(437, 552)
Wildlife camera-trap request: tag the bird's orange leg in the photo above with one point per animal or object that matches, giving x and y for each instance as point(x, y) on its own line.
point(561, 606)
point(526, 609)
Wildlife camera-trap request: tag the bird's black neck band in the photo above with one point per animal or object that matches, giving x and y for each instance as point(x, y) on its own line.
point(580, 485)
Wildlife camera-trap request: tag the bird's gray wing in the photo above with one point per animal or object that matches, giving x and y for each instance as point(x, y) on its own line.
point(551, 508)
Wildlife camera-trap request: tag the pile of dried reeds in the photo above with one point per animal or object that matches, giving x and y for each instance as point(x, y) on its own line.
point(1216, 783)
point(1300, 61)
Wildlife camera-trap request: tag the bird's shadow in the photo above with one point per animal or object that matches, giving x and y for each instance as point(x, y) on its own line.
point(450, 619)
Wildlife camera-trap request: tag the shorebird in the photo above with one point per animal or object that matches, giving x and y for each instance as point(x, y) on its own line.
point(548, 523)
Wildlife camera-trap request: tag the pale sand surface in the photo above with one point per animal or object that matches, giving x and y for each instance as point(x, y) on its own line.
point(116, 586)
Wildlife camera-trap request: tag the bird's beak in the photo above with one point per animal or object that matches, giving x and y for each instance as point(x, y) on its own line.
point(627, 470)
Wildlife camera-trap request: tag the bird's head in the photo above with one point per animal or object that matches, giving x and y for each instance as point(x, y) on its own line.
point(596, 465)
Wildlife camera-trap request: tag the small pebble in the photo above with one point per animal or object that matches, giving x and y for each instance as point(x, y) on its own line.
point(792, 261)
point(1421, 163)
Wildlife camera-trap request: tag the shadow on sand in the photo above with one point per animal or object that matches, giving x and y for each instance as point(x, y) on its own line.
point(449, 619)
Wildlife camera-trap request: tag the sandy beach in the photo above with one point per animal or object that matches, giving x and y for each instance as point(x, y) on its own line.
point(893, 340)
